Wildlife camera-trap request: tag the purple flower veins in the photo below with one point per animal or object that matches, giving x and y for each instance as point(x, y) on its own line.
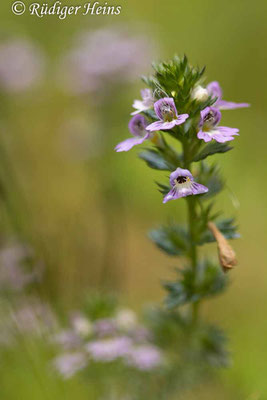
point(215, 90)
point(183, 185)
point(210, 117)
point(166, 111)
point(137, 127)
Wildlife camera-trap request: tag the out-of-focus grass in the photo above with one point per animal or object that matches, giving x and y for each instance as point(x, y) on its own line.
point(27, 373)
point(64, 218)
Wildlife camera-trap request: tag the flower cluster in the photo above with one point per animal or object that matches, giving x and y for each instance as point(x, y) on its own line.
point(104, 340)
point(164, 111)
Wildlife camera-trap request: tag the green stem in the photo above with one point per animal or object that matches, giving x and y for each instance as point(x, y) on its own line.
point(191, 222)
point(192, 217)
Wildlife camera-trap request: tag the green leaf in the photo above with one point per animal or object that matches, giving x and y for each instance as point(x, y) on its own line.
point(210, 346)
point(175, 78)
point(172, 239)
point(194, 285)
point(162, 157)
point(156, 160)
point(210, 149)
point(168, 326)
point(164, 189)
point(100, 305)
point(210, 176)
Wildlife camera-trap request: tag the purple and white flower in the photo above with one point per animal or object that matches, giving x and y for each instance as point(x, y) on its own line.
point(183, 185)
point(107, 350)
point(145, 104)
point(166, 111)
point(137, 127)
point(209, 129)
point(215, 90)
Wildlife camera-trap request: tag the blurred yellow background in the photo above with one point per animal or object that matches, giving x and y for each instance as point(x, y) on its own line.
point(62, 175)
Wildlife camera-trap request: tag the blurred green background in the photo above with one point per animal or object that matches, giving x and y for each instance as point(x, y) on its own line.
point(67, 210)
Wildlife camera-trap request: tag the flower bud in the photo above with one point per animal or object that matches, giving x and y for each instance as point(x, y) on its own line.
point(200, 94)
point(226, 254)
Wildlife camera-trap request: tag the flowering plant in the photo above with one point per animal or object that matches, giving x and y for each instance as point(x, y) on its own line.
point(177, 105)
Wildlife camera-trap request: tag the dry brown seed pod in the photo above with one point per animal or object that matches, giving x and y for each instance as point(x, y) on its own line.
point(226, 254)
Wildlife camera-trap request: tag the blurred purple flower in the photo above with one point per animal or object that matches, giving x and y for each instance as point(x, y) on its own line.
point(70, 363)
point(209, 129)
point(126, 320)
point(104, 327)
point(14, 274)
point(145, 104)
point(167, 113)
point(145, 357)
point(215, 90)
point(183, 185)
point(105, 56)
point(21, 65)
point(137, 127)
point(81, 325)
point(67, 339)
point(109, 349)
point(140, 334)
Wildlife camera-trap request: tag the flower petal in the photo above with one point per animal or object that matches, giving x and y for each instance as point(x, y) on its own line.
point(127, 144)
point(226, 131)
point(230, 105)
point(175, 194)
point(205, 136)
point(215, 90)
point(167, 102)
point(212, 112)
point(160, 125)
point(181, 119)
point(197, 188)
point(224, 134)
point(139, 107)
point(137, 125)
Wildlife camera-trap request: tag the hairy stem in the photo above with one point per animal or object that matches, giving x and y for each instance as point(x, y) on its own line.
point(192, 217)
